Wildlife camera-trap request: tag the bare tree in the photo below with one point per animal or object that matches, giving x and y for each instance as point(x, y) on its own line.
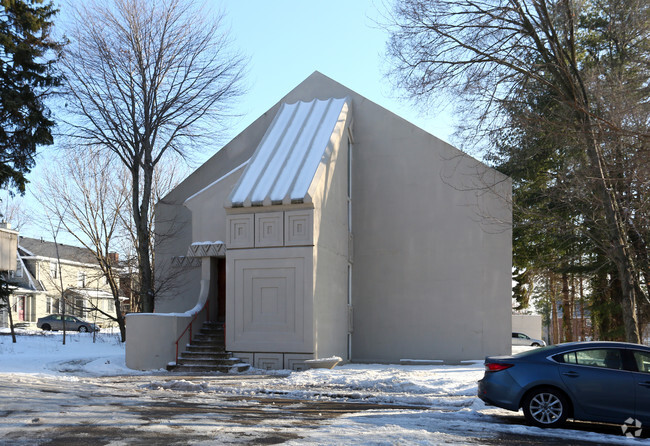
point(146, 79)
point(59, 286)
point(82, 192)
point(5, 301)
point(166, 177)
point(89, 193)
point(491, 53)
point(13, 210)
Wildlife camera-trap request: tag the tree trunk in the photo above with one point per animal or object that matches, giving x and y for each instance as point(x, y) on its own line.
point(141, 220)
point(566, 310)
point(121, 323)
point(554, 319)
point(582, 311)
point(11, 319)
point(619, 248)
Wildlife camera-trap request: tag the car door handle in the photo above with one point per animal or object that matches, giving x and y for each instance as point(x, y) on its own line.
point(645, 384)
point(571, 374)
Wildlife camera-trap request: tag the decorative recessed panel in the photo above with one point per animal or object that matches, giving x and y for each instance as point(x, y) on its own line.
point(269, 300)
point(296, 362)
point(186, 262)
point(268, 229)
point(268, 361)
point(245, 357)
point(299, 228)
point(207, 249)
point(240, 231)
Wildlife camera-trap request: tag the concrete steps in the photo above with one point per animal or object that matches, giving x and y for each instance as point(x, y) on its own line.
point(206, 354)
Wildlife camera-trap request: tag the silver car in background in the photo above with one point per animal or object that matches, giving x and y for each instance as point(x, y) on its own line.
point(524, 339)
point(589, 381)
point(72, 323)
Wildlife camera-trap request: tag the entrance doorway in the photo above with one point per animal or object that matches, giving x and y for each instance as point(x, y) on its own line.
point(221, 290)
point(21, 308)
point(218, 289)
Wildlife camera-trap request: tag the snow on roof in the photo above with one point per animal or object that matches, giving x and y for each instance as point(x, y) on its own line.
point(285, 162)
point(93, 293)
point(42, 248)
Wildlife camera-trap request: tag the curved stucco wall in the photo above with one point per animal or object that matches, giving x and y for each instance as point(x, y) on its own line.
point(151, 342)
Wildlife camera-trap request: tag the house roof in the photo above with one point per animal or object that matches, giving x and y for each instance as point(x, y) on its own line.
point(90, 293)
point(284, 164)
point(40, 248)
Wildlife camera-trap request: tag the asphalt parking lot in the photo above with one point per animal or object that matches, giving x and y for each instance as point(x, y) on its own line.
point(143, 410)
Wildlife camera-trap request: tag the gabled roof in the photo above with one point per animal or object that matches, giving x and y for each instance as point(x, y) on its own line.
point(284, 164)
point(32, 247)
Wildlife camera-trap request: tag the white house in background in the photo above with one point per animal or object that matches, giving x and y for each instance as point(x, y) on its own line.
point(332, 227)
point(42, 267)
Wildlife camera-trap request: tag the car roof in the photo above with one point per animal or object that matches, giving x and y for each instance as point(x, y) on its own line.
point(568, 346)
point(615, 344)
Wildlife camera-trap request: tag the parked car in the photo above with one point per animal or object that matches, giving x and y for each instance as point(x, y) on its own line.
point(72, 323)
point(589, 381)
point(523, 339)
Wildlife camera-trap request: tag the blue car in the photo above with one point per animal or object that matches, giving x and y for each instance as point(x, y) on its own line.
point(589, 381)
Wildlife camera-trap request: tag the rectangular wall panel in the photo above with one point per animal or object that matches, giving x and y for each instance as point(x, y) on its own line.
point(269, 229)
point(240, 231)
point(270, 300)
point(299, 228)
point(296, 362)
point(268, 361)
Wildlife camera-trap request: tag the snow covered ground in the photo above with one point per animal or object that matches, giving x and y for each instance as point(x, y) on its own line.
point(408, 405)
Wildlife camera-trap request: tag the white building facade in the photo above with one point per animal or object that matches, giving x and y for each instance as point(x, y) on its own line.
point(332, 227)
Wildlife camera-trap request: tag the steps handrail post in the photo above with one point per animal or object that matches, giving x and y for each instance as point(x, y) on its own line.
point(206, 305)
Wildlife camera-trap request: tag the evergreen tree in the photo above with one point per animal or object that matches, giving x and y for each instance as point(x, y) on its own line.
point(559, 89)
point(27, 75)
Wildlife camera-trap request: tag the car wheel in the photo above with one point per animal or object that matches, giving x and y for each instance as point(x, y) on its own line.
point(46, 327)
point(83, 329)
point(535, 344)
point(546, 407)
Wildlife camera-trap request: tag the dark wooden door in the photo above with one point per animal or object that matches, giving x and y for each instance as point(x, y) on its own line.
point(221, 290)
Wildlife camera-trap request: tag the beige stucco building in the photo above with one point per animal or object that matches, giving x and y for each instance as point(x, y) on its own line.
point(332, 227)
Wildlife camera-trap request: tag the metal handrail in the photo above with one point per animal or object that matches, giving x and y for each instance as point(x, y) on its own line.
point(189, 326)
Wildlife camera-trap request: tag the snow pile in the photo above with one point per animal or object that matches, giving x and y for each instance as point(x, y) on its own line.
point(378, 383)
point(44, 352)
point(177, 385)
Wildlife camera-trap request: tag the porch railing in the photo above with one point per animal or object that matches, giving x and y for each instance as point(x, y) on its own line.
point(205, 308)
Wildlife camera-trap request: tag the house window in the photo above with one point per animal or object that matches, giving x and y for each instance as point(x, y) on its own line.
point(48, 305)
point(81, 279)
point(32, 308)
point(79, 308)
point(53, 270)
point(19, 269)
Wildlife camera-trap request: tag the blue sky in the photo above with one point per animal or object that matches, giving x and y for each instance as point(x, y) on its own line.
point(286, 41)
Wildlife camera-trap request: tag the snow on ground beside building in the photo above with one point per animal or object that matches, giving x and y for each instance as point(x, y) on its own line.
point(438, 403)
point(44, 353)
